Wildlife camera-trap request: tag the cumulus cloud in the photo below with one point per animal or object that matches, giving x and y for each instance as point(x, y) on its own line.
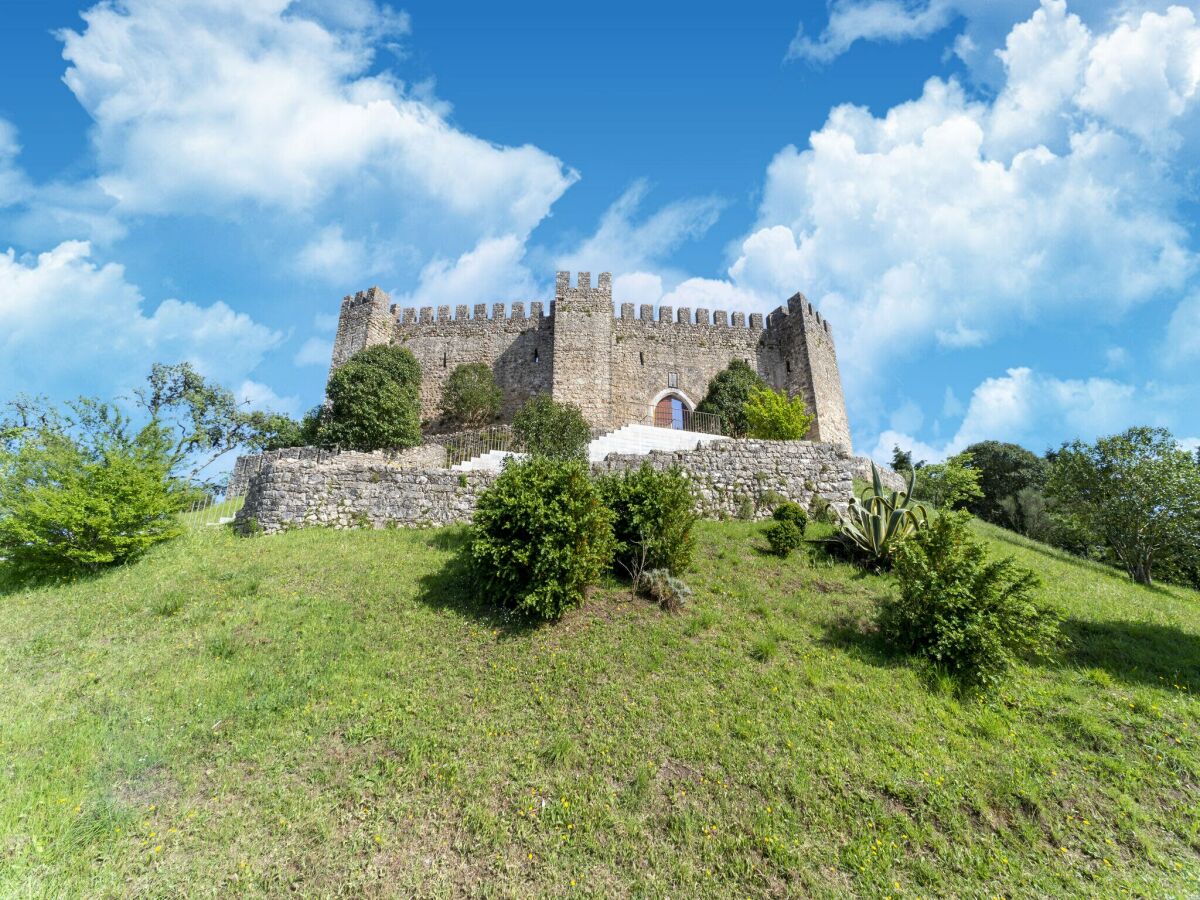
point(314, 352)
point(63, 298)
point(257, 395)
point(280, 107)
point(1183, 331)
point(954, 220)
point(851, 21)
point(1036, 410)
point(494, 270)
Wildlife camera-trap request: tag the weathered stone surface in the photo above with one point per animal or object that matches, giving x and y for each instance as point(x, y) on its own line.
point(614, 367)
point(246, 467)
point(348, 490)
point(891, 480)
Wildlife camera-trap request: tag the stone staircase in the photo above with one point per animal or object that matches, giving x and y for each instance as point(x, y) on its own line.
point(635, 439)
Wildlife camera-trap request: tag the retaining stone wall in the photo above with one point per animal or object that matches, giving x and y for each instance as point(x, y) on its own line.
point(427, 456)
point(368, 490)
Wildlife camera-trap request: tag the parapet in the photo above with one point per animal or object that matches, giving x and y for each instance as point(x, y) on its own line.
point(463, 315)
point(583, 289)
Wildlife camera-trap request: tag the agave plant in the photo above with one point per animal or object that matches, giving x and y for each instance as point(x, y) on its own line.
point(875, 523)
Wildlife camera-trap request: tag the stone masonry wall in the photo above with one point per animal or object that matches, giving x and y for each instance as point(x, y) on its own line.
point(246, 467)
point(725, 474)
point(367, 490)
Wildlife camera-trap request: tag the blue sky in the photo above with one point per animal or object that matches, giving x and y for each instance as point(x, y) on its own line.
point(993, 202)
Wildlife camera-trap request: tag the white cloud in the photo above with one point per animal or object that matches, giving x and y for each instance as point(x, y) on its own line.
point(257, 395)
point(492, 271)
point(1183, 331)
point(314, 352)
point(638, 288)
point(1036, 410)
point(623, 244)
point(874, 20)
point(958, 221)
point(331, 257)
point(14, 186)
point(67, 321)
point(276, 107)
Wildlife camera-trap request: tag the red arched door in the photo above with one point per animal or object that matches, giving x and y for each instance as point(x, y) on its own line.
point(669, 412)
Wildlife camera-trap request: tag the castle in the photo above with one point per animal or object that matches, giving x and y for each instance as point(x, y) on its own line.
point(618, 369)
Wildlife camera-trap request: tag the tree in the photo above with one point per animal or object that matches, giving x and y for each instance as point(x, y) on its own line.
point(471, 395)
point(82, 489)
point(949, 484)
point(770, 415)
point(1138, 492)
point(374, 402)
point(1005, 470)
point(727, 396)
point(276, 431)
point(902, 461)
point(552, 429)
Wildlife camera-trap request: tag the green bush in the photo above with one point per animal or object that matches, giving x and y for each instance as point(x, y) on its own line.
point(552, 429)
point(770, 415)
point(373, 401)
point(971, 615)
point(654, 514)
point(77, 497)
point(787, 511)
point(471, 395)
point(784, 536)
point(669, 592)
point(727, 396)
point(541, 535)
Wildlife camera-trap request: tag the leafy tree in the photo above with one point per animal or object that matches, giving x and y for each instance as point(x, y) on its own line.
point(83, 489)
point(1005, 470)
point(541, 536)
point(552, 429)
point(902, 461)
point(373, 401)
point(276, 431)
point(727, 396)
point(949, 484)
point(770, 415)
point(1138, 492)
point(471, 395)
point(973, 615)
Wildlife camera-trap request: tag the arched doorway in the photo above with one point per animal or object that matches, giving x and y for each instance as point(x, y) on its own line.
point(671, 410)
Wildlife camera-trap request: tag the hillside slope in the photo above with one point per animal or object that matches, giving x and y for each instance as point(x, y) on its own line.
point(334, 713)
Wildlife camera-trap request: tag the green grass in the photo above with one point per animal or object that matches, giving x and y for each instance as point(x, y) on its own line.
point(333, 713)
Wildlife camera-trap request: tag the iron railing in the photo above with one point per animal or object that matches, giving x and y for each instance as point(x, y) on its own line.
point(462, 447)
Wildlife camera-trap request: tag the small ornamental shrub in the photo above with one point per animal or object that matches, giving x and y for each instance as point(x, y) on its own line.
point(654, 515)
point(373, 401)
point(787, 511)
point(783, 536)
point(541, 535)
point(552, 429)
point(669, 592)
point(968, 614)
point(471, 395)
point(770, 415)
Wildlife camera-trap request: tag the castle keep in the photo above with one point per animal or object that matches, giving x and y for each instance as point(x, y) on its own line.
point(618, 368)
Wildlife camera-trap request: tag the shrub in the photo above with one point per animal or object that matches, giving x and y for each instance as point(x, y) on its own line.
point(746, 509)
point(727, 396)
point(77, 497)
point(373, 401)
point(770, 415)
point(541, 535)
point(669, 592)
point(964, 612)
point(471, 395)
point(787, 511)
point(552, 429)
point(784, 536)
point(654, 514)
point(1004, 471)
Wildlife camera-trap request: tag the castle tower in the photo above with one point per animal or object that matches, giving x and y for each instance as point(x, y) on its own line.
point(811, 370)
point(365, 320)
point(583, 337)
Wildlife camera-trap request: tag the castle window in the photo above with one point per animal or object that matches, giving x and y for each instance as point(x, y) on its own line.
point(789, 366)
point(641, 357)
point(443, 359)
point(535, 354)
point(672, 379)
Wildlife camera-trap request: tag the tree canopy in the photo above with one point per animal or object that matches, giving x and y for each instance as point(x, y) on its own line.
point(728, 394)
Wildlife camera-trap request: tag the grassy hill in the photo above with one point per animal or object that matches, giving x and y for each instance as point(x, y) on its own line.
point(333, 713)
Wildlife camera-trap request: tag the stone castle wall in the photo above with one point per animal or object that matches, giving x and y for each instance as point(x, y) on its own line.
point(348, 490)
point(614, 367)
point(246, 467)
